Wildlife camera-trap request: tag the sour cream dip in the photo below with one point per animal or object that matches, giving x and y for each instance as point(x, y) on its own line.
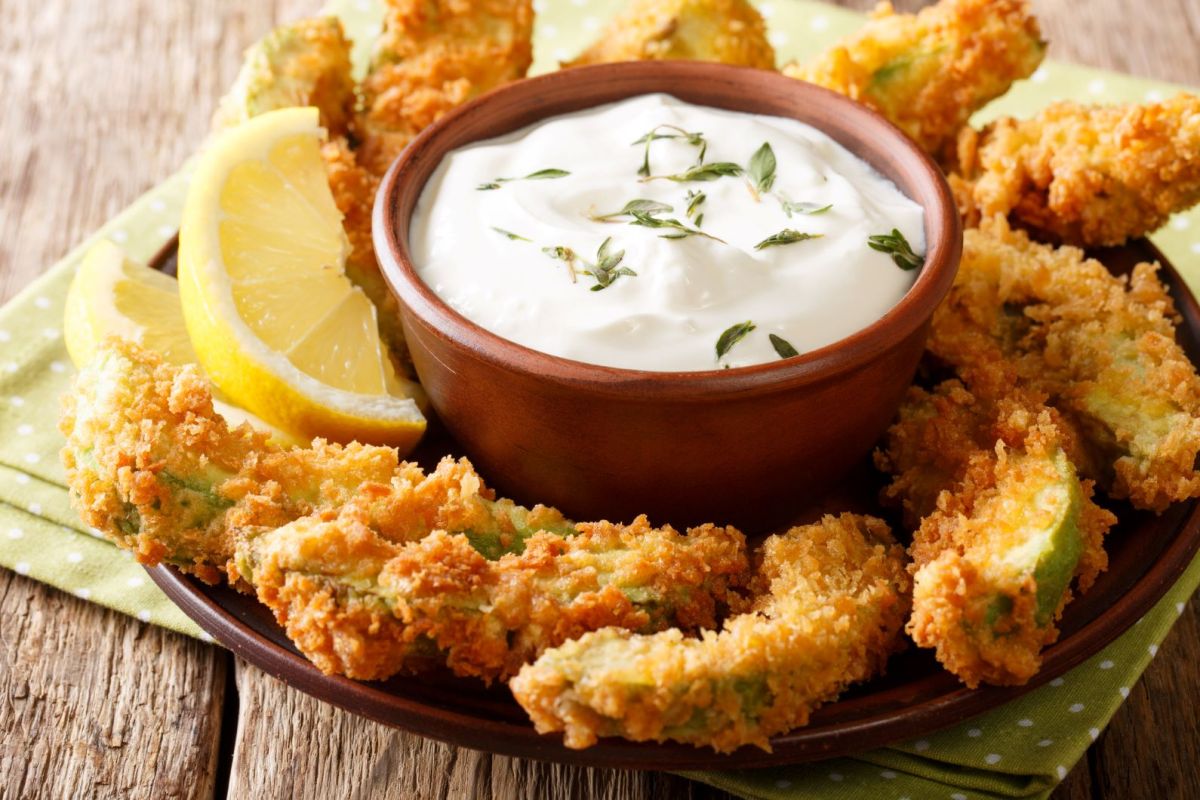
point(653, 234)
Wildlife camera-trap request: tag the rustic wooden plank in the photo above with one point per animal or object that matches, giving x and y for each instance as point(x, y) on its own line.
point(98, 705)
point(97, 110)
point(278, 755)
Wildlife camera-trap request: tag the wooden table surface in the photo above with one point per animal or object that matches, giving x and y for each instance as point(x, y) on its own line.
point(103, 100)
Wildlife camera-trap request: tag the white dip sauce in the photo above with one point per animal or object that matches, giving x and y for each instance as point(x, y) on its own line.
point(688, 291)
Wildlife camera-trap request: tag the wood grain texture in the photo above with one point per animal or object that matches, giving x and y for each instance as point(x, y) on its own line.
point(98, 705)
point(102, 100)
point(292, 746)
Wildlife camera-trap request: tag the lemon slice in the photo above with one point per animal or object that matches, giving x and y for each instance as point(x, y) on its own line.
point(272, 317)
point(113, 296)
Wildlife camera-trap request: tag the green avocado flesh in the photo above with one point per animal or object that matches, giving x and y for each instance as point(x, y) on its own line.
point(1046, 538)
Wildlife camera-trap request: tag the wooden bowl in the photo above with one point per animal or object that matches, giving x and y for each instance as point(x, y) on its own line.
point(735, 445)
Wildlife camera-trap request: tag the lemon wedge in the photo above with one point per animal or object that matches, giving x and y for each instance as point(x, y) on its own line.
point(272, 317)
point(114, 296)
point(111, 295)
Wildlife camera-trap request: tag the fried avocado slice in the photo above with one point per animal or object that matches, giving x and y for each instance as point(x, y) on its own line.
point(304, 63)
point(1102, 348)
point(432, 56)
point(154, 468)
point(725, 31)
point(1003, 523)
point(1083, 175)
point(359, 605)
point(830, 602)
point(929, 72)
point(993, 564)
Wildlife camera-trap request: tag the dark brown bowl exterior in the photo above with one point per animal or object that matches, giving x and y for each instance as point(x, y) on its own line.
point(739, 445)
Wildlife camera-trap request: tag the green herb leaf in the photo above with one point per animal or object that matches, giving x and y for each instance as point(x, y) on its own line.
point(639, 205)
point(782, 346)
point(732, 335)
point(694, 138)
point(608, 268)
point(544, 174)
point(516, 237)
point(701, 172)
point(540, 175)
point(761, 169)
point(694, 201)
point(803, 208)
point(786, 236)
point(683, 231)
point(895, 245)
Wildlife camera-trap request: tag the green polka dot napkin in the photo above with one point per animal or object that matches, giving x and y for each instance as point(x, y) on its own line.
point(1020, 750)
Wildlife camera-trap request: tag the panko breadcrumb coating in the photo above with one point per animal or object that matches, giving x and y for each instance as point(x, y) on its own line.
point(359, 605)
point(154, 468)
point(1007, 526)
point(929, 72)
point(371, 564)
point(432, 56)
point(725, 31)
point(830, 600)
point(1084, 175)
point(304, 63)
point(1100, 347)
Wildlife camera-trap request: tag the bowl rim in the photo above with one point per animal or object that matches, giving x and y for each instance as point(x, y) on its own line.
point(943, 229)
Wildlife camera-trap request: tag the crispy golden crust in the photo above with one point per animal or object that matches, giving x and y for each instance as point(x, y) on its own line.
point(432, 56)
point(1085, 175)
point(153, 467)
point(726, 31)
point(830, 600)
point(358, 605)
point(985, 606)
point(929, 72)
point(1101, 348)
point(371, 564)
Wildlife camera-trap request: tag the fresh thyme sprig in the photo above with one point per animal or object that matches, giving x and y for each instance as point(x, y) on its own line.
point(634, 206)
point(732, 335)
point(782, 346)
point(700, 172)
point(800, 207)
point(695, 199)
point(896, 246)
point(607, 268)
point(761, 169)
point(694, 138)
point(540, 175)
point(681, 231)
point(516, 237)
point(786, 236)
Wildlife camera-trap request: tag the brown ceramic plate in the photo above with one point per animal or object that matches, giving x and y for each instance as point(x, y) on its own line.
point(1147, 554)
